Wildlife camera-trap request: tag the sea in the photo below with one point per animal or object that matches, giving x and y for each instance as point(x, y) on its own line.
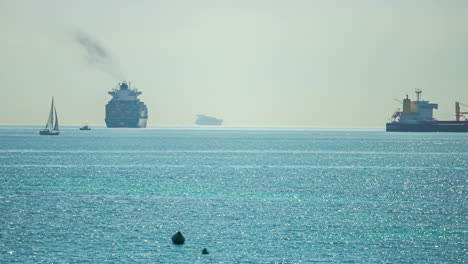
point(247, 195)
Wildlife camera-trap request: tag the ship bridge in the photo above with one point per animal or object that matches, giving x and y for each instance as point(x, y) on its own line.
point(417, 111)
point(123, 92)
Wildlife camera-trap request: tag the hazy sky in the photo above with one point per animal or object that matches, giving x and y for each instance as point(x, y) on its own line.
point(322, 63)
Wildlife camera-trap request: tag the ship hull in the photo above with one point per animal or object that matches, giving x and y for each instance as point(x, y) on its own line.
point(49, 132)
point(216, 123)
point(442, 126)
point(126, 123)
point(126, 114)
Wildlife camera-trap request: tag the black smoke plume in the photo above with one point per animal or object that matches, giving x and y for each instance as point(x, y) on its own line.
point(98, 56)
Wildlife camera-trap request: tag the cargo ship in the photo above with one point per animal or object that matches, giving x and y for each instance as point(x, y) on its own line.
point(125, 109)
point(417, 116)
point(204, 120)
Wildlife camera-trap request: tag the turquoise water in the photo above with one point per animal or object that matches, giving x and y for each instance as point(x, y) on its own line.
point(247, 195)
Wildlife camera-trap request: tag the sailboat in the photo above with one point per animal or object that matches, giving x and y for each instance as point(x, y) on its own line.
point(51, 128)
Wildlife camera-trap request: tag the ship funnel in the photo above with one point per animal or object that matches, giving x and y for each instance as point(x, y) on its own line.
point(124, 86)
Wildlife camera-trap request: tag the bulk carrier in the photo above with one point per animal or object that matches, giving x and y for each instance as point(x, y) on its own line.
point(417, 117)
point(125, 109)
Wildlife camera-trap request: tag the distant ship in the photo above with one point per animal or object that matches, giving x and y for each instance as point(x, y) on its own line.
point(417, 117)
point(52, 126)
point(125, 109)
point(204, 120)
point(85, 127)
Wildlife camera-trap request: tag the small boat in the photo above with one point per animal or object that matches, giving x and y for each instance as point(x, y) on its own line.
point(85, 127)
point(52, 126)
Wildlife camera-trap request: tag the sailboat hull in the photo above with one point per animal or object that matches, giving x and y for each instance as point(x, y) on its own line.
point(49, 132)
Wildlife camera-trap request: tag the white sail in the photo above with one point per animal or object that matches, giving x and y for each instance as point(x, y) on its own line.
point(50, 121)
point(56, 126)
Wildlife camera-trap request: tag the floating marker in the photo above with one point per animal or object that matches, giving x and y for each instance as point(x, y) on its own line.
point(205, 251)
point(178, 238)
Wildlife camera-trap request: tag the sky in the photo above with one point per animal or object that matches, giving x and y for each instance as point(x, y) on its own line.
point(278, 63)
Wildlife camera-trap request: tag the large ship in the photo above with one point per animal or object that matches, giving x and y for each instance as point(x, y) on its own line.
point(417, 117)
point(125, 109)
point(204, 120)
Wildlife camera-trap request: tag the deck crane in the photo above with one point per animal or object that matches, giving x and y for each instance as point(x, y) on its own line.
point(459, 114)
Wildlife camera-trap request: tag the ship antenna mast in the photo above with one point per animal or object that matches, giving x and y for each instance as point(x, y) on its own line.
point(418, 93)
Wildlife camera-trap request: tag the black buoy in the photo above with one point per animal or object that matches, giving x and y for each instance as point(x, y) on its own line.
point(178, 238)
point(205, 251)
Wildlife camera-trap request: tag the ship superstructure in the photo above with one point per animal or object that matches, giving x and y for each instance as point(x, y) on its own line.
point(417, 116)
point(125, 109)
